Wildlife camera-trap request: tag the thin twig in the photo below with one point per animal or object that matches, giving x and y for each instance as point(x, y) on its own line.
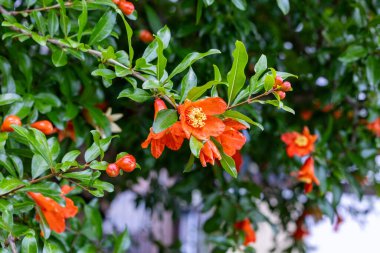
point(12, 243)
point(250, 100)
point(30, 182)
point(14, 13)
point(99, 55)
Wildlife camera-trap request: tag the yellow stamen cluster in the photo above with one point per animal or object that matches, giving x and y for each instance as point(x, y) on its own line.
point(301, 141)
point(196, 117)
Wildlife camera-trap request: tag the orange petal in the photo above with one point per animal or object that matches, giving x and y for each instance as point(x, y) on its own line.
point(234, 124)
point(156, 148)
point(211, 106)
point(70, 210)
point(56, 221)
point(214, 127)
point(288, 138)
point(65, 189)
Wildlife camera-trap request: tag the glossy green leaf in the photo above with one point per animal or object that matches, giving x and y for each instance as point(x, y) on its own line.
point(122, 242)
point(189, 60)
point(103, 28)
point(59, 58)
point(240, 4)
point(165, 119)
point(82, 20)
point(195, 146)
point(9, 98)
point(284, 6)
point(188, 82)
point(372, 70)
point(29, 244)
point(236, 76)
point(353, 53)
point(138, 95)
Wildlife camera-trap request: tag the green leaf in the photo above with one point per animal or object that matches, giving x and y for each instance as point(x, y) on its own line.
point(82, 20)
point(189, 60)
point(240, 116)
point(40, 21)
point(59, 58)
point(122, 242)
point(39, 39)
point(372, 70)
point(129, 36)
point(284, 6)
point(153, 19)
point(71, 156)
point(353, 53)
point(9, 98)
point(29, 244)
point(161, 59)
point(96, 165)
point(268, 82)
point(197, 92)
point(137, 95)
point(64, 19)
point(92, 227)
point(165, 119)
point(105, 73)
point(150, 52)
point(195, 146)
point(240, 4)
point(228, 165)
point(236, 76)
point(217, 75)
point(9, 184)
point(208, 2)
point(261, 64)
point(39, 166)
point(190, 164)
point(188, 82)
point(103, 28)
point(7, 164)
point(53, 23)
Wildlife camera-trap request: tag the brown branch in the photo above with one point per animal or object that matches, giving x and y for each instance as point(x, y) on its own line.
point(15, 13)
point(250, 100)
point(11, 241)
point(30, 182)
point(99, 55)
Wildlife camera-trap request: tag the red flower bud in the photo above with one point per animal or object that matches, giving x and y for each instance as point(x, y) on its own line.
point(112, 170)
point(44, 126)
point(281, 94)
point(286, 86)
point(126, 7)
point(159, 105)
point(127, 163)
point(9, 121)
point(278, 81)
point(146, 36)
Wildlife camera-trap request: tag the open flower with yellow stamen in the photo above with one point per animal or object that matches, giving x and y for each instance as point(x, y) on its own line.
point(300, 144)
point(198, 118)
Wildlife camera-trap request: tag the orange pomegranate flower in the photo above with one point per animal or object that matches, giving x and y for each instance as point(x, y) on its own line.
point(299, 144)
point(300, 232)
point(306, 175)
point(246, 226)
point(374, 127)
point(172, 137)
point(306, 115)
point(209, 153)
point(231, 139)
point(54, 213)
point(198, 118)
point(67, 132)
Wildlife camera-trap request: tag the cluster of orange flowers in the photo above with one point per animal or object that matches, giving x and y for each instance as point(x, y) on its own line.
point(199, 119)
point(55, 214)
point(302, 144)
point(374, 127)
point(246, 226)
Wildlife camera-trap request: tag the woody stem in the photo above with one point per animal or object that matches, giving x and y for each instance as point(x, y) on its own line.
point(97, 54)
point(12, 243)
point(250, 100)
point(14, 13)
